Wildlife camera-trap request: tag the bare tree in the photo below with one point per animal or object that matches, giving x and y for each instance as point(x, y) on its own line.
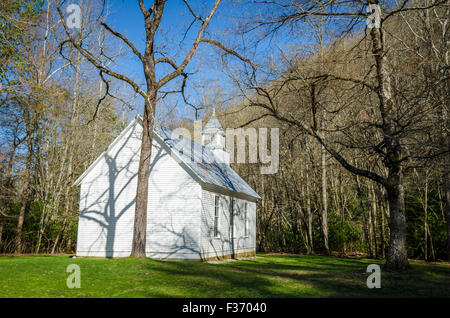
point(152, 17)
point(392, 118)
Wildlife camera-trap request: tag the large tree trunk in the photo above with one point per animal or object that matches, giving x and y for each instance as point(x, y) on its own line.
point(396, 254)
point(140, 217)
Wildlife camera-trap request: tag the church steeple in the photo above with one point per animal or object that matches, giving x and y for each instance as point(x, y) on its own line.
point(213, 137)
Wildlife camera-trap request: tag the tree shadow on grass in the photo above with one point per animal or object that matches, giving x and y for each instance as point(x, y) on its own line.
point(207, 280)
point(301, 277)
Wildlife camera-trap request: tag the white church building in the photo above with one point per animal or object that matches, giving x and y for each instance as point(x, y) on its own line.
point(198, 208)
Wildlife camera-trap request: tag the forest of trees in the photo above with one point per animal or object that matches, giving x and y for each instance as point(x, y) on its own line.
point(47, 101)
point(362, 113)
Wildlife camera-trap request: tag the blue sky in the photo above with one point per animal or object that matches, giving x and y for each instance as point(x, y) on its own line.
point(126, 18)
point(205, 75)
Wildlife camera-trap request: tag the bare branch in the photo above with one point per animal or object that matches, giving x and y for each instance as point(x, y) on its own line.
point(92, 60)
point(101, 99)
point(228, 50)
point(123, 38)
point(192, 11)
point(166, 60)
point(191, 52)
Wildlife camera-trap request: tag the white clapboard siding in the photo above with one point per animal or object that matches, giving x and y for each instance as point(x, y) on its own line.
point(173, 209)
point(180, 211)
point(219, 246)
point(108, 194)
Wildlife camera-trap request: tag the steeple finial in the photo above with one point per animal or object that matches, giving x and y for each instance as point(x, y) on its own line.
point(213, 137)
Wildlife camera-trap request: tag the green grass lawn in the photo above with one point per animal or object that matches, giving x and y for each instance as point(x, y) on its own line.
point(265, 276)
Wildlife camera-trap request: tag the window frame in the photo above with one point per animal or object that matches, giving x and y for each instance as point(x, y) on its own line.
point(216, 233)
point(232, 219)
point(246, 219)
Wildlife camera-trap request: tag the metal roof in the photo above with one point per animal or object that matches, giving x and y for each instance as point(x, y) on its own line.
point(202, 161)
point(199, 159)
